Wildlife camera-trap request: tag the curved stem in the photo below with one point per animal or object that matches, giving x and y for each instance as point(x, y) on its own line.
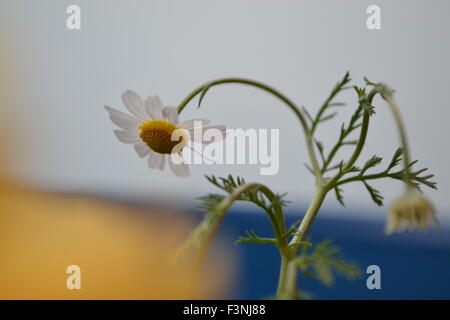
point(308, 136)
point(403, 137)
point(253, 83)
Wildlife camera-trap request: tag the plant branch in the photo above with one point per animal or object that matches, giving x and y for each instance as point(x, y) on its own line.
point(201, 90)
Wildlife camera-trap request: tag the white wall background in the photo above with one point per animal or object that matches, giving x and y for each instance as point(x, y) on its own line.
point(170, 47)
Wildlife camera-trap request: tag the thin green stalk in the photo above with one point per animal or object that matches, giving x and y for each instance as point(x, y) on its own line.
point(308, 219)
point(403, 137)
point(308, 137)
point(253, 83)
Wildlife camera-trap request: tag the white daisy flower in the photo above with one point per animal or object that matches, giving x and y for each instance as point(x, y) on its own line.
point(149, 129)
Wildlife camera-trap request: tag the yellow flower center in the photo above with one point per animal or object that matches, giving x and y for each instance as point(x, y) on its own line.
point(157, 134)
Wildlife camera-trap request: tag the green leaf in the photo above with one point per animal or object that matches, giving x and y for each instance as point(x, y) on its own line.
point(339, 196)
point(307, 114)
point(344, 132)
point(304, 295)
point(252, 237)
point(374, 194)
point(341, 85)
point(372, 162)
point(396, 158)
point(353, 169)
point(369, 109)
point(363, 101)
point(369, 83)
point(323, 260)
point(328, 117)
point(324, 274)
point(337, 104)
point(350, 142)
point(361, 92)
point(416, 177)
point(307, 166)
point(320, 147)
point(209, 202)
point(202, 94)
point(228, 184)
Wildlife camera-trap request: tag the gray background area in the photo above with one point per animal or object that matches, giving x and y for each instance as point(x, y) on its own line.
point(63, 137)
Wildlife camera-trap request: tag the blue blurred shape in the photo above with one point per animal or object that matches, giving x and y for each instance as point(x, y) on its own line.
point(414, 265)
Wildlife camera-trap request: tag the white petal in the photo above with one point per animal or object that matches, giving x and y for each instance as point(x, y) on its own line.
point(134, 104)
point(123, 120)
point(171, 114)
point(162, 165)
point(153, 107)
point(127, 136)
point(155, 159)
point(141, 149)
point(180, 170)
point(188, 124)
point(200, 139)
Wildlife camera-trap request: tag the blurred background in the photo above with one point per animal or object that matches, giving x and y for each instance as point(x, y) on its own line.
point(71, 191)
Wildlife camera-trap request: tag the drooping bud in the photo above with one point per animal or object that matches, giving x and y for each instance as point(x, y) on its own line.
point(411, 211)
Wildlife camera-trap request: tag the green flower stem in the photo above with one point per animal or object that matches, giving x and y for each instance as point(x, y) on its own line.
point(287, 282)
point(253, 83)
point(308, 136)
point(195, 247)
point(403, 137)
point(308, 219)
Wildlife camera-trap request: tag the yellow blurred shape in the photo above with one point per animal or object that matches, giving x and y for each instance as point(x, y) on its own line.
point(122, 255)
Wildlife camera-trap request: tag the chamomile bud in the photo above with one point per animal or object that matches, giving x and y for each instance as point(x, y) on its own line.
point(411, 211)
